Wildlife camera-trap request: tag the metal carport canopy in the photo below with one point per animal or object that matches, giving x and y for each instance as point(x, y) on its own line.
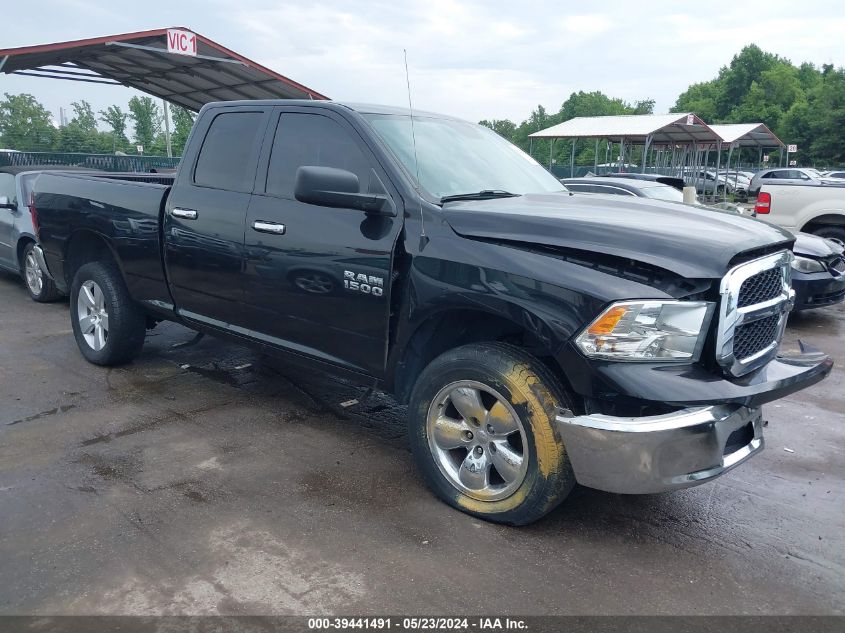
point(747, 135)
point(141, 60)
point(660, 128)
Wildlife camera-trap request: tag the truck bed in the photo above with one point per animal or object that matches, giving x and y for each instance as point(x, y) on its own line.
point(125, 209)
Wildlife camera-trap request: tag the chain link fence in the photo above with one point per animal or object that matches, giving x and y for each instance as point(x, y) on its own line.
point(102, 162)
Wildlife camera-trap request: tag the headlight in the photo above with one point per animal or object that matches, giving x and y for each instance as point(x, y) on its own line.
point(671, 331)
point(807, 265)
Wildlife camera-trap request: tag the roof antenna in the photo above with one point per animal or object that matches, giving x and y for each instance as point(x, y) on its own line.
point(423, 237)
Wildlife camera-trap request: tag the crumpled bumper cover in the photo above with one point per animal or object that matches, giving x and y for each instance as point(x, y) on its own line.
point(662, 452)
point(717, 427)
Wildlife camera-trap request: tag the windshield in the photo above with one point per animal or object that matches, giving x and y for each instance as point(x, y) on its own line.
point(456, 157)
point(663, 192)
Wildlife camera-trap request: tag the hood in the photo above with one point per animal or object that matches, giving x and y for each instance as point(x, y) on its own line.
point(692, 242)
point(808, 245)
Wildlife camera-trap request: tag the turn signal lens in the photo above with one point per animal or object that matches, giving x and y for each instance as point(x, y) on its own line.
point(607, 321)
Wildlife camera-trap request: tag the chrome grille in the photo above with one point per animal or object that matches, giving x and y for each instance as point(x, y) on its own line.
point(752, 338)
point(756, 298)
point(761, 287)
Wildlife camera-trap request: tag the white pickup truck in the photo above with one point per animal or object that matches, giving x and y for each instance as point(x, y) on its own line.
point(811, 208)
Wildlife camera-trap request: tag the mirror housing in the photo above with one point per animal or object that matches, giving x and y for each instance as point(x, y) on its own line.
point(5, 203)
point(339, 189)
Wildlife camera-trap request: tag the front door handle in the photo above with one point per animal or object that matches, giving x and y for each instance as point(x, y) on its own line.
point(268, 227)
point(185, 214)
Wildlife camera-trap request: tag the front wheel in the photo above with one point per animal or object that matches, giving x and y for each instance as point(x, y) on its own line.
point(108, 326)
point(39, 285)
point(482, 433)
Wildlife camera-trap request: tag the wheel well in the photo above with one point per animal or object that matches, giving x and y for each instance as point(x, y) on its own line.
point(22, 243)
point(82, 248)
point(460, 327)
point(824, 220)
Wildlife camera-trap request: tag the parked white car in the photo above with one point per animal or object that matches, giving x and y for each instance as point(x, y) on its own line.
point(818, 209)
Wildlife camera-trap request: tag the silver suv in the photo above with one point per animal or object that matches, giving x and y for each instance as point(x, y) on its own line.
point(785, 176)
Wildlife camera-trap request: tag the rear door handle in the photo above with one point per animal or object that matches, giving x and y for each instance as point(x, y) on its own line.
point(185, 214)
point(268, 227)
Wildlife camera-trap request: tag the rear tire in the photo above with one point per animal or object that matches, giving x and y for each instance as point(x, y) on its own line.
point(108, 326)
point(831, 232)
point(496, 454)
point(39, 285)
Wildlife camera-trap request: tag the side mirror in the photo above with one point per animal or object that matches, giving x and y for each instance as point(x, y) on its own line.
point(5, 203)
point(339, 189)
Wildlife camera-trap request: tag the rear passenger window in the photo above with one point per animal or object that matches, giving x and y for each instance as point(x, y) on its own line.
point(227, 153)
point(7, 186)
point(312, 140)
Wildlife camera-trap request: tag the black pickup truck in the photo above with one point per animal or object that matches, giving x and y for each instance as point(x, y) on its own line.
point(540, 337)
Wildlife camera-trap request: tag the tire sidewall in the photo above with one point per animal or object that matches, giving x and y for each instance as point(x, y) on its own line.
point(126, 322)
point(549, 477)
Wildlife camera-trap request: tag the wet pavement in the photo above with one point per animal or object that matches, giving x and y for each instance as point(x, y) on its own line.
point(201, 479)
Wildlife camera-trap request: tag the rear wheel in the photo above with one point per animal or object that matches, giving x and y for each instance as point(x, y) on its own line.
point(109, 328)
point(482, 433)
point(39, 285)
point(835, 233)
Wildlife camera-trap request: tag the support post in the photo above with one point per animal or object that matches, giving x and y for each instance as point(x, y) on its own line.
point(645, 152)
point(572, 161)
point(596, 159)
point(718, 165)
point(167, 129)
point(727, 169)
point(551, 147)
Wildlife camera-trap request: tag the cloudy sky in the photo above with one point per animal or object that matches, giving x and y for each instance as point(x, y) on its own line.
point(470, 58)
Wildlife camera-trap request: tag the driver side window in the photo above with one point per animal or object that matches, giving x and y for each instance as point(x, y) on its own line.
point(312, 140)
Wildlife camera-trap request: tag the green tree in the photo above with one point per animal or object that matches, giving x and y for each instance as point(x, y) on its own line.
point(801, 104)
point(25, 124)
point(826, 117)
point(115, 118)
point(80, 134)
point(146, 119)
point(503, 127)
point(736, 79)
point(183, 121)
point(701, 99)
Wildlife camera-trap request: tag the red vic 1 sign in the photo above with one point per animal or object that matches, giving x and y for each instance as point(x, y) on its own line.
point(181, 42)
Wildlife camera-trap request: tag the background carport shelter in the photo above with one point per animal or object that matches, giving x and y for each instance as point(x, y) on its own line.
point(685, 134)
point(739, 135)
point(142, 61)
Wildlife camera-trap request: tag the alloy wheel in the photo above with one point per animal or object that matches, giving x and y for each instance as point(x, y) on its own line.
point(92, 315)
point(477, 440)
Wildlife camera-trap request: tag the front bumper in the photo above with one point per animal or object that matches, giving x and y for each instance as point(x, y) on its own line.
point(623, 387)
point(662, 452)
point(816, 290)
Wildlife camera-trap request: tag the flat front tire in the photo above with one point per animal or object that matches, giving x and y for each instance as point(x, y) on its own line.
point(483, 435)
point(109, 328)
